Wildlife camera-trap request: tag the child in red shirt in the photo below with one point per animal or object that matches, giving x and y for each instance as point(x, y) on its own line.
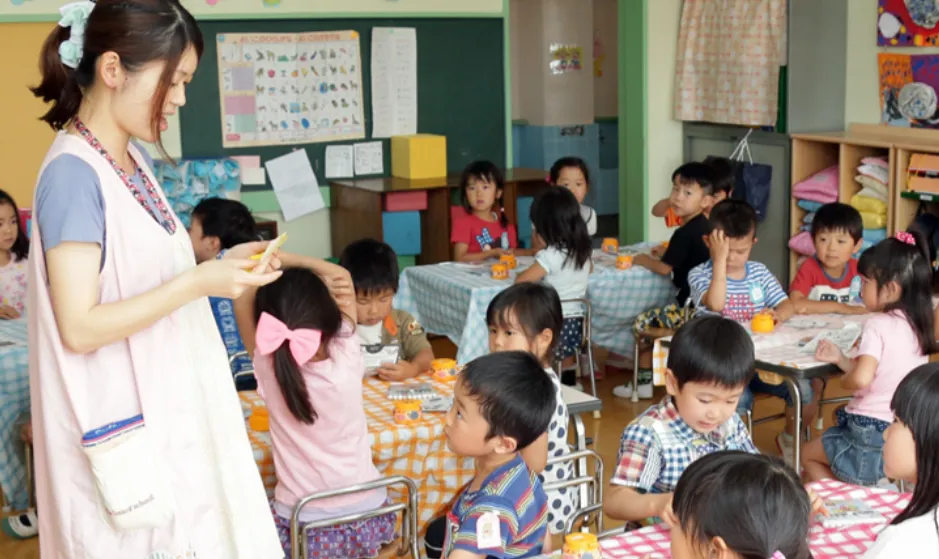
point(828, 282)
point(483, 231)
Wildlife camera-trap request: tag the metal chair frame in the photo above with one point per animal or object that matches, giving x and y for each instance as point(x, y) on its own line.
point(299, 537)
point(644, 337)
point(586, 343)
point(591, 484)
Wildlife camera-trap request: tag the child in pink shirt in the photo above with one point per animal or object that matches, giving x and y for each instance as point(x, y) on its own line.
point(483, 231)
point(309, 369)
point(14, 251)
point(895, 283)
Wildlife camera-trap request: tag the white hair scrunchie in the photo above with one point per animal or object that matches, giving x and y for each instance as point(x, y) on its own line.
point(75, 17)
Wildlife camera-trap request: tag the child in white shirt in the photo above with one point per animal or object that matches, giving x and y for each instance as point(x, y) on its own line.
point(564, 262)
point(14, 251)
point(572, 173)
point(911, 445)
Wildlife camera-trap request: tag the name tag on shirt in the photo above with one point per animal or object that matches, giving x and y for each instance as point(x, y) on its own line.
point(488, 531)
point(377, 354)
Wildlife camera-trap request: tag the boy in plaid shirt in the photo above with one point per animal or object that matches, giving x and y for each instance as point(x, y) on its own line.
point(710, 363)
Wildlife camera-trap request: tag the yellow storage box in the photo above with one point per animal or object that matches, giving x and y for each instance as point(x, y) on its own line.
point(421, 156)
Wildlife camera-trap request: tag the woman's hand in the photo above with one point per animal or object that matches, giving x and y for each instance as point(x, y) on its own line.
point(8, 313)
point(229, 277)
point(245, 251)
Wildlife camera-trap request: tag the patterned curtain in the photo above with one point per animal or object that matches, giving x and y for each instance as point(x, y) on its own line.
point(729, 54)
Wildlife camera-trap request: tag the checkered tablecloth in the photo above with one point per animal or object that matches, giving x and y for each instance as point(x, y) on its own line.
point(450, 299)
point(779, 348)
point(417, 451)
point(825, 543)
point(14, 401)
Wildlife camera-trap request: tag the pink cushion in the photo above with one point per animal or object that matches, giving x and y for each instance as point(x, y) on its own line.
point(877, 161)
point(802, 244)
point(820, 187)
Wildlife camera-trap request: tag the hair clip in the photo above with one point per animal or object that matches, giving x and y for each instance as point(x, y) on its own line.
point(906, 237)
point(778, 555)
point(75, 17)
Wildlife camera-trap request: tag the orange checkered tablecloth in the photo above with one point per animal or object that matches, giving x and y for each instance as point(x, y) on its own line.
point(418, 451)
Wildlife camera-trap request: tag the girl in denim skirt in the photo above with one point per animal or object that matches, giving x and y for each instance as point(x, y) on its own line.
point(895, 284)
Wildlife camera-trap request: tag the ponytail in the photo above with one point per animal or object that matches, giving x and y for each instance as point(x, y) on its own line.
point(292, 386)
point(60, 84)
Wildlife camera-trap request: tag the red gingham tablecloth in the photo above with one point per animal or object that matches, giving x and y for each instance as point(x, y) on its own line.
point(826, 543)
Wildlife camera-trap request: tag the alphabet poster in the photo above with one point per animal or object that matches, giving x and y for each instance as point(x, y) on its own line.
point(290, 88)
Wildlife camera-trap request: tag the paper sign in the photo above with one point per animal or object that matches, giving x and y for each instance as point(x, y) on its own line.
point(394, 81)
point(248, 161)
point(339, 162)
point(368, 159)
point(295, 185)
point(254, 176)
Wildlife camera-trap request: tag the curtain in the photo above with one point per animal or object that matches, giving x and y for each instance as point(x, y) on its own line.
point(729, 54)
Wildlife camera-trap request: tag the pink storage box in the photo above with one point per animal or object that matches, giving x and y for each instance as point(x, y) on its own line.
point(406, 201)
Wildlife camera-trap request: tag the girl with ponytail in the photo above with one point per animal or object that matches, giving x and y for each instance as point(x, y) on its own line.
point(309, 369)
point(131, 390)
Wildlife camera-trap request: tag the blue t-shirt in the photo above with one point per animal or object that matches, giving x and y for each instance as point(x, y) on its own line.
point(224, 311)
point(70, 205)
point(505, 519)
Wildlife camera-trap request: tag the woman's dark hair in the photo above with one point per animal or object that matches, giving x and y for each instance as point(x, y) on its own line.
point(229, 220)
point(916, 404)
point(536, 307)
point(20, 248)
point(564, 163)
point(754, 502)
point(484, 171)
point(556, 217)
point(908, 265)
point(712, 350)
point(299, 299)
point(139, 31)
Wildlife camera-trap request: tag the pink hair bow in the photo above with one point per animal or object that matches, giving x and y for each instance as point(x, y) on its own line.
point(906, 237)
point(778, 555)
point(272, 333)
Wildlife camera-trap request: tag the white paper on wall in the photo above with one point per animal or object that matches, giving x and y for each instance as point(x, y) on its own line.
point(295, 184)
point(368, 159)
point(394, 81)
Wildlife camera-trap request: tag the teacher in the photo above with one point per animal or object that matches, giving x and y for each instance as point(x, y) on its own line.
point(141, 450)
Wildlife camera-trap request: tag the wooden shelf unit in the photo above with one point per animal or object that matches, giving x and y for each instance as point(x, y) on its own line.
point(812, 153)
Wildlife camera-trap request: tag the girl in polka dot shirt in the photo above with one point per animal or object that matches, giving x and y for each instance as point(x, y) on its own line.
point(14, 251)
point(528, 317)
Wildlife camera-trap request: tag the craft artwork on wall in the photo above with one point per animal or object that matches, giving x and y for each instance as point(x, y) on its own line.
point(290, 88)
point(908, 85)
point(192, 180)
point(908, 23)
point(566, 58)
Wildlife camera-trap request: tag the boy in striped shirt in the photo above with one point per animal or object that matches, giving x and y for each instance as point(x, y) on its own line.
point(729, 283)
point(502, 402)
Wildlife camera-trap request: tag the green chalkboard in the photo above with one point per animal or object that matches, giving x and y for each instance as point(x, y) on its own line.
point(460, 86)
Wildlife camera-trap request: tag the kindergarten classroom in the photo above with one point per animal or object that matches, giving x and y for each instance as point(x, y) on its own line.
point(414, 90)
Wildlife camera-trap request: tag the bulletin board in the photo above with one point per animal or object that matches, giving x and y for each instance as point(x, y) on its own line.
point(27, 139)
point(460, 85)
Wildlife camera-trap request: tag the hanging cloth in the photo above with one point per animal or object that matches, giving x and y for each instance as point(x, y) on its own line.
point(729, 55)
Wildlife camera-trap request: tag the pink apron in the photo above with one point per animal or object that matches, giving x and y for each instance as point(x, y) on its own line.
point(175, 373)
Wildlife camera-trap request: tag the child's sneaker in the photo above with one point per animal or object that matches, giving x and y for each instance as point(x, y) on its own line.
point(786, 445)
point(645, 387)
point(21, 526)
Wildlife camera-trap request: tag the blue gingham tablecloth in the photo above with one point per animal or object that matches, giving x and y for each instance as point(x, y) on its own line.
point(14, 401)
point(451, 299)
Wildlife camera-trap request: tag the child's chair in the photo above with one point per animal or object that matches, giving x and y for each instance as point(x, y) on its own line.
point(586, 344)
point(645, 337)
point(589, 484)
point(26, 435)
point(299, 536)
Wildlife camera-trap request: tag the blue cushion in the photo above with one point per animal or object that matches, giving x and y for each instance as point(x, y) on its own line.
point(402, 231)
point(809, 205)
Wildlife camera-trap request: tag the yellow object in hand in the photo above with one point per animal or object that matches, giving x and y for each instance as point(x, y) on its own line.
point(273, 246)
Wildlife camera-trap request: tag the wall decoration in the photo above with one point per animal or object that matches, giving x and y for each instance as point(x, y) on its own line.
point(907, 23)
point(192, 180)
point(599, 54)
point(908, 86)
point(566, 58)
point(290, 88)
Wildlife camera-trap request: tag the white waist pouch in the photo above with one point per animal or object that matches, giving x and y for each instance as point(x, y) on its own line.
point(129, 487)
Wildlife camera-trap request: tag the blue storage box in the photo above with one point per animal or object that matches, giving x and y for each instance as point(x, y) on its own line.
point(524, 217)
point(402, 231)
